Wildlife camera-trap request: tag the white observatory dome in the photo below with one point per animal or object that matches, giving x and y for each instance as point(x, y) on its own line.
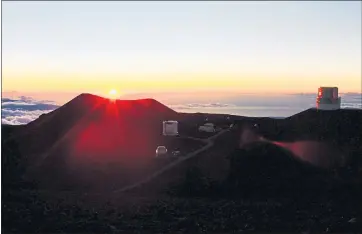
point(161, 151)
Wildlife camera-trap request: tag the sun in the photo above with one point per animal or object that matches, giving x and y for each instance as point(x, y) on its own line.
point(112, 94)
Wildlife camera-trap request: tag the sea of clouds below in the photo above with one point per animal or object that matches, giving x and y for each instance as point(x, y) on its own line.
point(22, 110)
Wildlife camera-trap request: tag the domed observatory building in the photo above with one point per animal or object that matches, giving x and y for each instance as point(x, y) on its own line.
point(328, 99)
point(161, 151)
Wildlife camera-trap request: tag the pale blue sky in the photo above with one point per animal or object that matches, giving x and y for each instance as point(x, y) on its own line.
point(97, 42)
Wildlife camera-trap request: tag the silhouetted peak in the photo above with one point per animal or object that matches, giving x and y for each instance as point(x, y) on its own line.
point(149, 101)
point(87, 97)
point(84, 95)
point(314, 112)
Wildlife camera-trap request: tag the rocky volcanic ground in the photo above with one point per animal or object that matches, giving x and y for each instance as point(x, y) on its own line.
point(28, 213)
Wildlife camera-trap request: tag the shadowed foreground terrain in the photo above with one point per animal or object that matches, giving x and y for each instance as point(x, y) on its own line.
point(256, 177)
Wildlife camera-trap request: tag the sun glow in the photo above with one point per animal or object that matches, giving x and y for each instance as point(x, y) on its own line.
point(112, 94)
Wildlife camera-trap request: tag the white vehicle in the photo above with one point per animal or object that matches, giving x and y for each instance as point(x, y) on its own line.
point(176, 153)
point(161, 151)
point(208, 127)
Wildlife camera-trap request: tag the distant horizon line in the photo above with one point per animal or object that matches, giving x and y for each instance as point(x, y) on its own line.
point(128, 92)
point(61, 98)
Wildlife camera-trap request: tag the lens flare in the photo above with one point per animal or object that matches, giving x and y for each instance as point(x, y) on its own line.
point(112, 94)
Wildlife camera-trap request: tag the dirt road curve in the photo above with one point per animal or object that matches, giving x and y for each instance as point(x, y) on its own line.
point(210, 143)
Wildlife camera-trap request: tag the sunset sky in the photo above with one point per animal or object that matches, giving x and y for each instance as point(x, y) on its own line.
point(177, 46)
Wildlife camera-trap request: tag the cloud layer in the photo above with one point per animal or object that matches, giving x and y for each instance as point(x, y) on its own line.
point(22, 110)
point(272, 106)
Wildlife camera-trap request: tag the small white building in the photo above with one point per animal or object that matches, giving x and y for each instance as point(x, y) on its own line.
point(208, 127)
point(170, 128)
point(161, 151)
point(328, 99)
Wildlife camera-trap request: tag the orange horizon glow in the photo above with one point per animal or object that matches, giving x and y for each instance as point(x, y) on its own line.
point(178, 83)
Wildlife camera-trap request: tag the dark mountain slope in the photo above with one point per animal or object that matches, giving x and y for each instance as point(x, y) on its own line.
point(90, 130)
point(339, 129)
point(40, 134)
point(11, 166)
point(85, 109)
point(343, 126)
point(265, 169)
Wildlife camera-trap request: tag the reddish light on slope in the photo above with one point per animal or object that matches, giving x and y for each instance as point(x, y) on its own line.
point(281, 144)
point(121, 131)
point(317, 153)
